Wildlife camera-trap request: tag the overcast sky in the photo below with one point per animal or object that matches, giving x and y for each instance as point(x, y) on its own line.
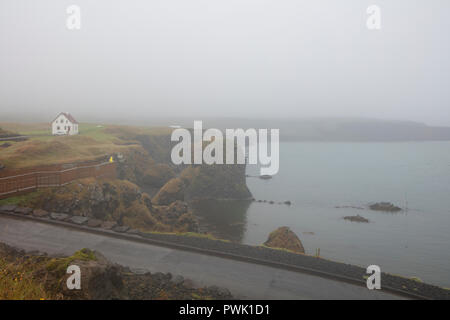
point(226, 58)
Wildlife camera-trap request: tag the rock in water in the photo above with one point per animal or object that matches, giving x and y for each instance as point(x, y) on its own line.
point(384, 206)
point(284, 238)
point(357, 218)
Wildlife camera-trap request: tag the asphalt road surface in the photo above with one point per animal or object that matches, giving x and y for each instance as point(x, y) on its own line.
point(244, 280)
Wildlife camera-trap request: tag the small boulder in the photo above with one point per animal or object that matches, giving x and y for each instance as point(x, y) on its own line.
point(94, 223)
point(23, 210)
point(134, 231)
point(121, 229)
point(284, 238)
point(219, 291)
point(59, 216)
point(8, 208)
point(40, 213)
point(79, 220)
point(108, 225)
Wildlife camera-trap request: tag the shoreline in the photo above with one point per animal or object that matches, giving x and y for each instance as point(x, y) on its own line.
point(265, 256)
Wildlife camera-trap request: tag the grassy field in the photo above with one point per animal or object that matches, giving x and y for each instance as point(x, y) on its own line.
point(93, 142)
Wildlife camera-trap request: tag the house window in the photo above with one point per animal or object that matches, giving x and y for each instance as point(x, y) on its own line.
point(64, 127)
point(57, 128)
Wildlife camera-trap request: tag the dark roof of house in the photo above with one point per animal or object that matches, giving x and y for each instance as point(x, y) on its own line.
point(68, 116)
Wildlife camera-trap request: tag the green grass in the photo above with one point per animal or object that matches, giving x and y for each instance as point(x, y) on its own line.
point(17, 282)
point(279, 249)
point(94, 141)
point(188, 234)
point(20, 200)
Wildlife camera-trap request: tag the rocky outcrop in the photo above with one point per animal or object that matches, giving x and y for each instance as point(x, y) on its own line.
point(118, 201)
point(172, 191)
point(284, 238)
point(38, 276)
point(149, 165)
point(205, 182)
point(384, 206)
point(133, 163)
point(216, 182)
point(158, 175)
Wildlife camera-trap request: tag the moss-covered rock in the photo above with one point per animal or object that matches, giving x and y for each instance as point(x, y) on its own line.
point(133, 163)
point(40, 277)
point(285, 238)
point(170, 192)
point(216, 182)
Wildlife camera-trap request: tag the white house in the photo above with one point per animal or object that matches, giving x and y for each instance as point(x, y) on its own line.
point(64, 124)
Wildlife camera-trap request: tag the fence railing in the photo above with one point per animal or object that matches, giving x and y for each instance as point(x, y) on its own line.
point(18, 183)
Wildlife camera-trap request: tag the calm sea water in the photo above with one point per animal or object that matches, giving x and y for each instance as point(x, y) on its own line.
point(318, 177)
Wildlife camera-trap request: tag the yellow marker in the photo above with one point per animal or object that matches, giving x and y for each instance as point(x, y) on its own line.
point(111, 159)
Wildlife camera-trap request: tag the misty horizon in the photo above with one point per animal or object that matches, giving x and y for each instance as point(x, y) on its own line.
point(243, 59)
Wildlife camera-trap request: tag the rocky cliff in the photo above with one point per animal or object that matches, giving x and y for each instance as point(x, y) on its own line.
point(148, 165)
point(206, 182)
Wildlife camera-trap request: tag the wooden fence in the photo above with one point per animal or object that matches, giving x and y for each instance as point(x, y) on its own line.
point(27, 180)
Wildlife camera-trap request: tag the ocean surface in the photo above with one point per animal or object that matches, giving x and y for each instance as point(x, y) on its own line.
point(320, 177)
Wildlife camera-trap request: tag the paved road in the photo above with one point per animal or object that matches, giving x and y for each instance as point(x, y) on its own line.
point(244, 280)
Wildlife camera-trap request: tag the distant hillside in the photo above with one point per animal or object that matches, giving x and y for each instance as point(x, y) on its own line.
point(334, 129)
point(320, 129)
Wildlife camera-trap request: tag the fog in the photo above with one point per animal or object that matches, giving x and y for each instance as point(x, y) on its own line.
point(142, 59)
